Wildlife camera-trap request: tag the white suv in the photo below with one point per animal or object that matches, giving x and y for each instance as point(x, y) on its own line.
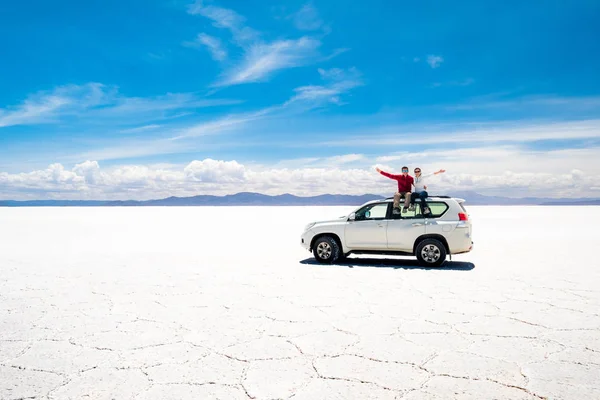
point(374, 229)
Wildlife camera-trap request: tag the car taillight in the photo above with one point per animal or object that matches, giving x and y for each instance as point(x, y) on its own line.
point(463, 217)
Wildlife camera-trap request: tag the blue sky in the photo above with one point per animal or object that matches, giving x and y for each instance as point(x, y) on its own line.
point(267, 95)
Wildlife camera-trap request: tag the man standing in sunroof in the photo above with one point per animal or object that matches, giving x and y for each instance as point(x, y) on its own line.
point(405, 182)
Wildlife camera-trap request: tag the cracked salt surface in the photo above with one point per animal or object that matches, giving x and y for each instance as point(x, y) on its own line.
point(152, 303)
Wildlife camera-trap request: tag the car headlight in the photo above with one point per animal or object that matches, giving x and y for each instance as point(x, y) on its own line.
point(307, 227)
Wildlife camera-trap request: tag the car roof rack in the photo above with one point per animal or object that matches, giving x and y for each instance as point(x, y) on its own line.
point(431, 195)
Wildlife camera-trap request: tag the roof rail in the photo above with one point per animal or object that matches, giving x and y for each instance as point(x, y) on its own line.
point(431, 195)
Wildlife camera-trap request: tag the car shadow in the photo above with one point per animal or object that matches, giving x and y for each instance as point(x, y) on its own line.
point(395, 263)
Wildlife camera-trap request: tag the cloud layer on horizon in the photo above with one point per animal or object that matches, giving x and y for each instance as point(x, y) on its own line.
point(505, 171)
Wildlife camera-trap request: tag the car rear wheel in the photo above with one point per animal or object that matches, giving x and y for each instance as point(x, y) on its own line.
point(431, 253)
point(326, 250)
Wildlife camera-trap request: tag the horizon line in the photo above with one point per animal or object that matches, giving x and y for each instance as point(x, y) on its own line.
point(301, 197)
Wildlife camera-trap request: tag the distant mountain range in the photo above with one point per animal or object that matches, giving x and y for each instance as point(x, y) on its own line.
point(257, 199)
point(475, 198)
point(238, 199)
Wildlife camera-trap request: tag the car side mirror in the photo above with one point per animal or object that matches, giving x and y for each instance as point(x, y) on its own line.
point(352, 217)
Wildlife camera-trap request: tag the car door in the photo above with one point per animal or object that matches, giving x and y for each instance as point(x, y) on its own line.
point(369, 229)
point(437, 225)
point(404, 229)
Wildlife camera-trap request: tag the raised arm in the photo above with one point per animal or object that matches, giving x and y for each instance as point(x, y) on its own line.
point(441, 171)
point(391, 176)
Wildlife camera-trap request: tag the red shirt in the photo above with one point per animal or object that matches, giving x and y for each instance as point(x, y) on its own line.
point(404, 182)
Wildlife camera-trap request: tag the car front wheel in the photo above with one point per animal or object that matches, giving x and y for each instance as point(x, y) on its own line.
point(431, 253)
point(326, 250)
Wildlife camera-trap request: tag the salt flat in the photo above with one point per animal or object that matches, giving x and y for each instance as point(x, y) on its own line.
point(223, 303)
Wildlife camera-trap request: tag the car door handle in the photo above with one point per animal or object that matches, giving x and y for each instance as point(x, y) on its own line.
point(417, 224)
point(381, 225)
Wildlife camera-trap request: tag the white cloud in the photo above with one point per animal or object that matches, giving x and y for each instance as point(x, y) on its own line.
point(319, 162)
point(500, 159)
point(223, 124)
point(338, 81)
point(178, 140)
point(100, 102)
point(434, 61)
point(511, 171)
point(371, 139)
point(131, 149)
point(547, 103)
point(336, 74)
point(335, 53)
point(142, 128)
point(45, 106)
point(507, 171)
point(226, 19)
point(263, 59)
point(52, 178)
point(307, 18)
point(130, 106)
point(213, 44)
point(89, 170)
point(32, 112)
point(140, 178)
point(344, 159)
point(212, 127)
point(215, 171)
point(470, 134)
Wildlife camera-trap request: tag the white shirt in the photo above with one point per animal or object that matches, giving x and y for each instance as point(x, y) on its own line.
point(421, 181)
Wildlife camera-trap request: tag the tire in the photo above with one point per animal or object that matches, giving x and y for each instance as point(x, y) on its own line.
point(326, 250)
point(431, 253)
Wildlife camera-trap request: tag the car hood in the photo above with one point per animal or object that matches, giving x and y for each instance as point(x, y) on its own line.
point(329, 221)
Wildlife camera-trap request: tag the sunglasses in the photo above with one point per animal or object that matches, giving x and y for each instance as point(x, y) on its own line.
point(417, 171)
point(404, 170)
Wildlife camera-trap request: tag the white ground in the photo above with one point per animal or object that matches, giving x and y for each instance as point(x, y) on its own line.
point(223, 303)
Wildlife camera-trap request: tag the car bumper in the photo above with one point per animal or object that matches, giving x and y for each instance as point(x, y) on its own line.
point(306, 239)
point(463, 251)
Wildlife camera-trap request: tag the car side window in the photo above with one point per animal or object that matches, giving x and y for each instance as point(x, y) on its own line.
point(437, 209)
point(372, 212)
point(416, 213)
